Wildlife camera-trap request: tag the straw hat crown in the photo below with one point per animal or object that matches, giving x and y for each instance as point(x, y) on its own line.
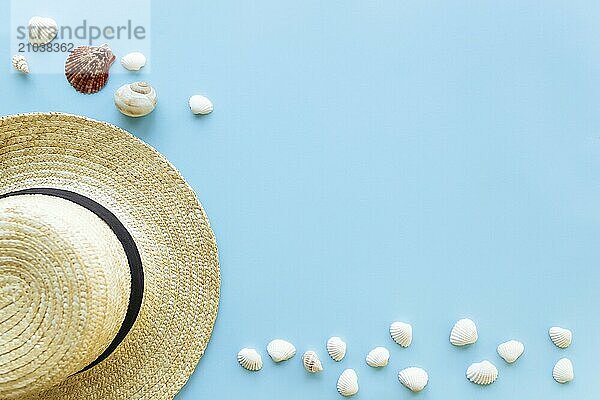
point(64, 291)
point(109, 268)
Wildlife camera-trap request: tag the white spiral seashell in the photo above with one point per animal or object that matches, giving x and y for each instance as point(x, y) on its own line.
point(250, 359)
point(19, 63)
point(136, 99)
point(561, 337)
point(347, 384)
point(200, 105)
point(336, 348)
point(42, 30)
point(280, 350)
point(133, 61)
point(463, 333)
point(378, 357)
point(563, 371)
point(510, 351)
point(482, 373)
point(414, 378)
point(401, 333)
point(311, 362)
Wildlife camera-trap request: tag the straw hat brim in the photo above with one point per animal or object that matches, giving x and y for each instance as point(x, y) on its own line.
point(171, 230)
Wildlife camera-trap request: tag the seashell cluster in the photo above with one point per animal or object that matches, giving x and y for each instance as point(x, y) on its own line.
point(311, 362)
point(414, 378)
point(463, 333)
point(347, 384)
point(563, 371)
point(510, 351)
point(41, 30)
point(378, 357)
point(19, 62)
point(336, 348)
point(136, 99)
point(401, 333)
point(87, 68)
point(482, 373)
point(561, 337)
point(200, 105)
point(280, 350)
point(133, 61)
point(250, 359)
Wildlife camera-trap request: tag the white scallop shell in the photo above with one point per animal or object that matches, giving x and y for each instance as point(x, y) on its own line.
point(561, 337)
point(378, 357)
point(336, 348)
point(250, 359)
point(133, 61)
point(280, 350)
point(19, 63)
point(347, 384)
point(463, 333)
point(311, 362)
point(482, 373)
point(510, 351)
point(136, 99)
point(563, 371)
point(414, 378)
point(402, 333)
point(42, 30)
point(200, 105)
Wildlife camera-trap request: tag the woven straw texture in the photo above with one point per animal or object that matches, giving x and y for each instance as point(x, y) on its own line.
point(66, 284)
point(170, 228)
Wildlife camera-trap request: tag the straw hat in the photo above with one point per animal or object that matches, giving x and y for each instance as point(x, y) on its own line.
point(109, 274)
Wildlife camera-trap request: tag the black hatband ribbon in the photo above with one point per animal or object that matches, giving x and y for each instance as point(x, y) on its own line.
point(131, 251)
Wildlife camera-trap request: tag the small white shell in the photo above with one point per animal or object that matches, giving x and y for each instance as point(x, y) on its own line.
point(280, 350)
point(133, 61)
point(378, 357)
point(347, 384)
point(402, 333)
point(136, 99)
point(336, 348)
point(463, 333)
point(482, 373)
point(414, 378)
point(200, 105)
point(561, 337)
point(42, 30)
point(510, 351)
point(19, 63)
point(563, 371)
point(250, 359)
point(311, 362)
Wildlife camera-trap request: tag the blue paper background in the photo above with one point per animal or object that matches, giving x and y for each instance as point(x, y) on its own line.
point(372, 161)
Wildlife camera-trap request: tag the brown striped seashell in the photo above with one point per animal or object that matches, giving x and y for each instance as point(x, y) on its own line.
point(87, 68)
